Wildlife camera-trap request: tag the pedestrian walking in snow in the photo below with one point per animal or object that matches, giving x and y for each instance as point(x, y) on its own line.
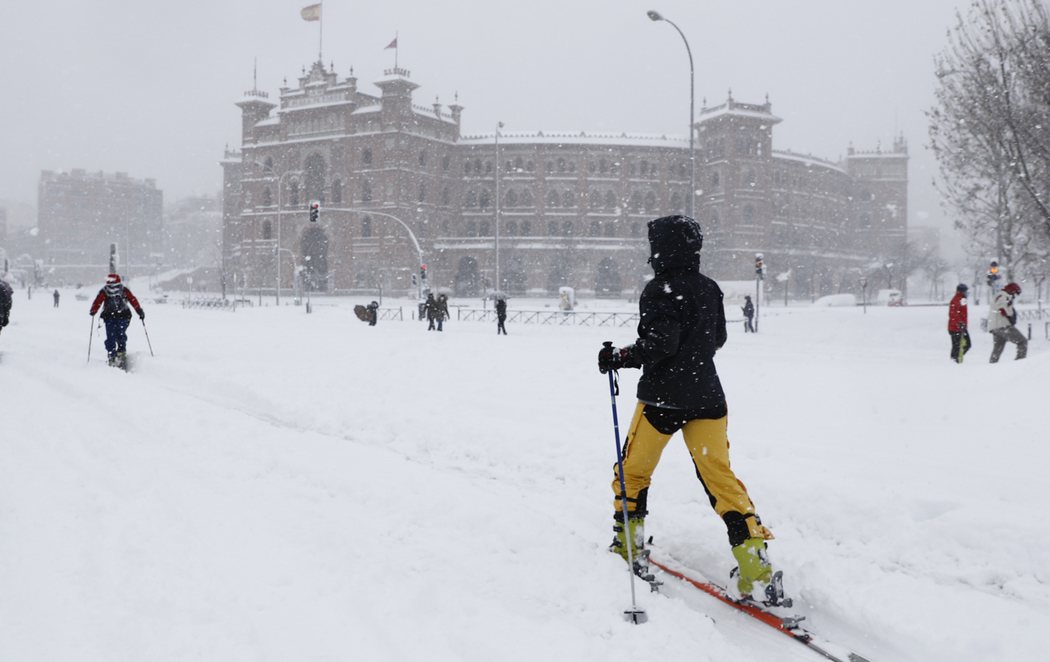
point(114, 298)
point(682, 325)
point(958, 323)
point(749, 314)
point(7, 296)
point(1002, 321)
point(501, 316)
point(441, 310)
point(373, 313)
point(430, 309)
point(56, 296)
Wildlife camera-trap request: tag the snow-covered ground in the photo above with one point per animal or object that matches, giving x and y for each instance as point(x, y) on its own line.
point(282, 486)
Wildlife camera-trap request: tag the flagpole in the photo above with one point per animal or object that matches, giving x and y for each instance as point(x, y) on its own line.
point(320, 35)
point(396, 46)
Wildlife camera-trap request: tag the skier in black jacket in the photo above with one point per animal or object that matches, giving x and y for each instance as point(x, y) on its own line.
point(682, 326)
point(6, 297)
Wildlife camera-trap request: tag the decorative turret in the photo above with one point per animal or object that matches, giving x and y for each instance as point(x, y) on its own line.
point(254, 108)
point(456, 109)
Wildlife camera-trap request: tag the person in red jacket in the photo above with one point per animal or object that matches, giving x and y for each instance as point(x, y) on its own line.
point(958, 323)
point(114, 299)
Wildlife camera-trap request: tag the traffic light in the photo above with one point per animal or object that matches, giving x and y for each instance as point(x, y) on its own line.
point(760, 267)
point(423, 272)
point(315, 211)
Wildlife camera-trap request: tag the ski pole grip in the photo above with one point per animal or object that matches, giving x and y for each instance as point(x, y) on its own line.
point(607, 343)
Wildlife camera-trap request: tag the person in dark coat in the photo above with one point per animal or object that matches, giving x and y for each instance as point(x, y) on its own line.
point(114, 298)
point(958, 323)
point(682, 324)
point(501, 316)
point(749, 315)
point(430, 308)
point(56, 296)
point(7, 296)
point(373, 313)
point(441, 310)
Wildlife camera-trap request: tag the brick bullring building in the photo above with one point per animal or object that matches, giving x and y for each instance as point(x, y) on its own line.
point(397, 180)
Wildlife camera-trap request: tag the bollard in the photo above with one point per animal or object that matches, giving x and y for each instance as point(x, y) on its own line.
point(1029, 330)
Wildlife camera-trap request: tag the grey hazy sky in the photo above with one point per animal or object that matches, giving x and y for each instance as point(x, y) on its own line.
point(148, 86)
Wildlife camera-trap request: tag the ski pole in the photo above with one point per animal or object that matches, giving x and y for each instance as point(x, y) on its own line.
point(91, 336)
point(634, 614)
point(148, 343)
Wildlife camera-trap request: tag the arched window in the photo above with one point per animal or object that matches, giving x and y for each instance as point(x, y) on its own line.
point(366, 156)
point(484, 199)
point(566, 229)
point(466, 167)
point(591, 167)
point(526, 198)
point(749, 177)
point(445, 163)
point(715, 180)
point(488, 167)
point(530, 166)
point(512, 198)
point(610, 229)
point(603, 166)
point(483, 229)
point(422, 192)
point(366, 226)
point(568, 199)
point(517, 164)
point(472, 229)
point(749, 213)
point(636, 201)
point(366, 190)
point(446, 196)
point(595, 229)
point(676, 201)
point(472, 199)
point(337, 192)
point(561, 165)
point(650, 201)
point(512, 229)
point(610, 200)
point(293, 194)
point(268, 165)
point(596, 199)
point(267, 197)
point(267, 230)
point(314, 177)
point(477, 166)
point(526, 228)
point(423, 158)
point(552, 199)
point(552, 228)
point(636, 229)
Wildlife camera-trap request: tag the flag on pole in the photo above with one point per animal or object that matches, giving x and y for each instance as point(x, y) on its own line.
point(392, 44)
point(311, 13)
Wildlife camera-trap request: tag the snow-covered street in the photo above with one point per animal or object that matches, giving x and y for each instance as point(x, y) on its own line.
point(279, 486)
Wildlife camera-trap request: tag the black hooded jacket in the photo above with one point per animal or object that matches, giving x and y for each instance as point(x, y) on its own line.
point(682, 324)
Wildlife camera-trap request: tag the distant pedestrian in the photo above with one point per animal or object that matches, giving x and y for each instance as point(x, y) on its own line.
point(7, 295)
point(442, 310)
point(749, 314)
point(373, 313)
point(958, 323)
point(114, 299)
point(56, 296)
point(1002, 320)
point(501, 316)
point(430, 309)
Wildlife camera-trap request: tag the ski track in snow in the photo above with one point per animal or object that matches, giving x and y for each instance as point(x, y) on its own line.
point(277, 486)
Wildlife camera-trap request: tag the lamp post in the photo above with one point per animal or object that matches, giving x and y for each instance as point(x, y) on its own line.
point(280, 210)
point(499, 125)
point(656, 16)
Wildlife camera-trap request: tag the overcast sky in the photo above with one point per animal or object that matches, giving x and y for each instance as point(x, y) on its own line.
point(147, 86)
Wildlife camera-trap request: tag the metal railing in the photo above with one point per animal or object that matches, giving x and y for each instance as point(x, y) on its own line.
point(214, 303)
point(549, 317)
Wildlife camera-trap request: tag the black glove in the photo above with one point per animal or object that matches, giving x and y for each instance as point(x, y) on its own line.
point(142, 315)
point(612, 358)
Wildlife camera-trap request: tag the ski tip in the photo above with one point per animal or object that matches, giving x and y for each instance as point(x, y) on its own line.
point(636, 616)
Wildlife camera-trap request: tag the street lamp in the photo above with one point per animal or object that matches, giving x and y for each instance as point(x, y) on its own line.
point(655, 16)
point(280, 210)
point(499, 125)
point(411, 235)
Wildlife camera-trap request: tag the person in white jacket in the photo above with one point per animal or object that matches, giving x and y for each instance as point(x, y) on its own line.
point(1002, 319)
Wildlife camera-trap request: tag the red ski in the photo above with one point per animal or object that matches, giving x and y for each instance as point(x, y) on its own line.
point(789, 626)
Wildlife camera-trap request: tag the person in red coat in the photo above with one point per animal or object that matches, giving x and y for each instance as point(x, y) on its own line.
point(958, 323)
point(114, 299)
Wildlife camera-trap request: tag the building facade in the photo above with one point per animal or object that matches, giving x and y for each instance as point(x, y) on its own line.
point(80, 214)
point(398, 183)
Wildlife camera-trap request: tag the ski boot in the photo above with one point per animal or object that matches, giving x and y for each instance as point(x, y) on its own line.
point(122, 360)
point(639, 554)
point(756, 581)
point(112, 359)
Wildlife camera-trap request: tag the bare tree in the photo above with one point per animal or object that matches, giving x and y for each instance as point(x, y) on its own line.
point(989, 128)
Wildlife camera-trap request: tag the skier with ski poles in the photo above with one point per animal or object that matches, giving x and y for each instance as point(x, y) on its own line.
point(114, 298)
point(958, 323)
point(682, 324)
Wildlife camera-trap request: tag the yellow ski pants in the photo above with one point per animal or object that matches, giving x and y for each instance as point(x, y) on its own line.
point(708, 445)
